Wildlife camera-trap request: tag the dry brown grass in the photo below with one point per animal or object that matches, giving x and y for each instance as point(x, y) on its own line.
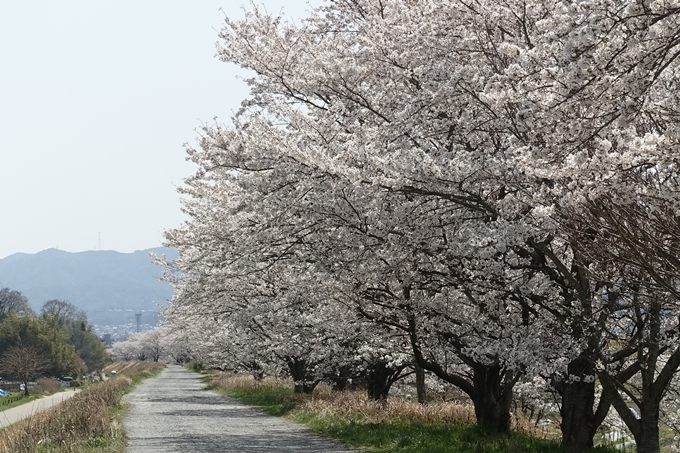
point(248, 383)
point(133, 366)
point(523, 424)
point(69, 424)
point(356, 406)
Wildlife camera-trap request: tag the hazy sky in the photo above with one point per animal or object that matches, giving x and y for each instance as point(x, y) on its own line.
point(96, 101)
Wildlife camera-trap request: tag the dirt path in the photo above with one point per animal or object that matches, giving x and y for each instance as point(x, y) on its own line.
point(172, 413)
point(9, 416)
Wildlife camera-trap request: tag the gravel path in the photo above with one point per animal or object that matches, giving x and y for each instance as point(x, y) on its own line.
point(172, 413)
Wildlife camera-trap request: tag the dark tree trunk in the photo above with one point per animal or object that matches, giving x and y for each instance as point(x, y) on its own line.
point(339, 384)
point(493, 400)
point(340, 380)
point(299, 372)
point(379, 380)
point(654, 385)
point(647, 440)
point(490, 389)
point(255, 369)
point(420, 384)
point(578, 427)
point(645, 429)
point(579, 418)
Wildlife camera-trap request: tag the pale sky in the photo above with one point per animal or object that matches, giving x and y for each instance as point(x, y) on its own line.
point(96, 101)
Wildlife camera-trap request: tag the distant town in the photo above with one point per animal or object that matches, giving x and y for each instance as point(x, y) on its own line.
point(120, 331)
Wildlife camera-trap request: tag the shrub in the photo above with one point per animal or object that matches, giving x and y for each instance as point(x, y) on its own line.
point(48, 386)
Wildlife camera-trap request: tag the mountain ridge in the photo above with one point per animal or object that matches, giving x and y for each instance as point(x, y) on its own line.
point(104, 283)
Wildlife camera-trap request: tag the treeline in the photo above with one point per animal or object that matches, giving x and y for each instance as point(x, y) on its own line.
point(58, 340)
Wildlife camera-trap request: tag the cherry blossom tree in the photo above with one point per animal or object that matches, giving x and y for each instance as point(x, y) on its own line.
point(613, 184)
point(638, 236)
point(123, 350)
point(349, 113)
point(180, 345)
point(152, 344)
point(438, 169)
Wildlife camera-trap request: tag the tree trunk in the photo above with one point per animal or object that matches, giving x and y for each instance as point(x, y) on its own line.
point(339, 384)
point(645, 429)
point(578, 427)
point(255, 369)
point(378, 381)
point(299, 373)
point(647, 440)
point(340, 380)
point(493, 400)
point(579, 420)
point(420, 384)
point(490, 389)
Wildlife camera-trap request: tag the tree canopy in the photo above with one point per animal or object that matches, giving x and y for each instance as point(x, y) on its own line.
point(62, 339)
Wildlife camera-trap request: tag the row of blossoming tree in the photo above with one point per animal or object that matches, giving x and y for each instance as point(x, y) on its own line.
point(486, 190)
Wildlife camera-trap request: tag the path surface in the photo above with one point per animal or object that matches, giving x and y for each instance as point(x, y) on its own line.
point(9, 416)
point(173, 413)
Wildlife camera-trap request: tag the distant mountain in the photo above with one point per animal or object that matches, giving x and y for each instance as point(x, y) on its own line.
point(108, 285)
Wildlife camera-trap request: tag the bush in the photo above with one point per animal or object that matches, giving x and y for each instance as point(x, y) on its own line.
point(48, 386)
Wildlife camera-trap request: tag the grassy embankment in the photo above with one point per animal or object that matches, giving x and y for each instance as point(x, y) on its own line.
point(395, 426)
point(90, 421)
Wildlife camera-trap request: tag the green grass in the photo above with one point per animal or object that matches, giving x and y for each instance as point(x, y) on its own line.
point(278, 402)
point(24, 400)
point(116, 443)
point(140, 376)
point(206, 378)
point(419, 437)
point(399, 435)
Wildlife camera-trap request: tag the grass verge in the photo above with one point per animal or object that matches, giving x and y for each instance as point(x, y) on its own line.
point(395, 426)
point(4, 404)
point(91, 421)
point(44, 387)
